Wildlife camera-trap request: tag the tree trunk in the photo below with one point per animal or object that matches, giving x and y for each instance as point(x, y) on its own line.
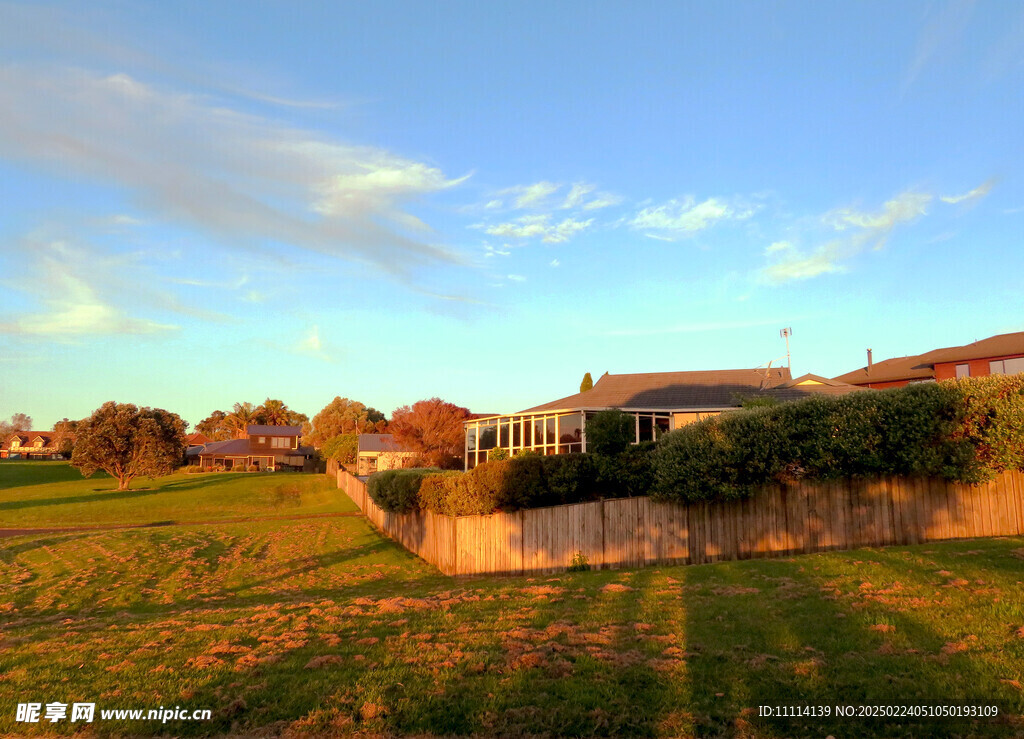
point(123, 483)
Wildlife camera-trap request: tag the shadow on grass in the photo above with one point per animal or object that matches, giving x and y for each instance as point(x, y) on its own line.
point(13, 505)
point(796, 641)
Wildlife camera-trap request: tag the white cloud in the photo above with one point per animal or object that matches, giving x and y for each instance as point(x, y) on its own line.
point(575, 197)
point(976, 194)
point(861, 229)
point(517, 278)
point(904, 207)
point(792, 264)
point(678, 218)
point(74, 306)
point(493, 204)
point(312, 341)
point(247, 180)
point(603, 200)
point(555, 263)
point(530, 196)
point(538, 226)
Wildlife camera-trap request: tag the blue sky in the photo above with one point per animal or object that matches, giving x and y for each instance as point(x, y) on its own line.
point(204, 203)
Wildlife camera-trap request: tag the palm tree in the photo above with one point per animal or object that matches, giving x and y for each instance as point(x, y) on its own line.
point(274, 413)
point(240, 417)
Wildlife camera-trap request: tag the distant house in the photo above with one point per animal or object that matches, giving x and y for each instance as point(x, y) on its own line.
point(379, 452)
point(659, 401)
point(267, 448)
point(33, 445)
point(996, 355)
point(197, 439)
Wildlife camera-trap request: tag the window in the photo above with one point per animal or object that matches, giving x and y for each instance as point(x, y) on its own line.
point(262, 440)
point(16, 443)
point(279, 442)
point(1006, 366)
point(963, 370)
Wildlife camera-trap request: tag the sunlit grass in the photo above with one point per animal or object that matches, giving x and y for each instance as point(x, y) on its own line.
point(53, 494)
point(320, 626)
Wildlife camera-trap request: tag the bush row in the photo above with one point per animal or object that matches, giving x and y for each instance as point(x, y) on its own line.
point(525, 481)
point(964, 430)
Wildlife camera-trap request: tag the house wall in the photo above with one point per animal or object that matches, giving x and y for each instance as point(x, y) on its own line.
point(267, 446)
point(979, 367)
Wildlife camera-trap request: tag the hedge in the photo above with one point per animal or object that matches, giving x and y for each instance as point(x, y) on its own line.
point(397, 491)
point(533, 481)
point(964, 430)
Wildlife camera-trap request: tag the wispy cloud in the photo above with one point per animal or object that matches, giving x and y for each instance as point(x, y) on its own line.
point(680, 218)
point(860, 230)
point(971, 195)
point(73, 306)
point(789, 263)
point(245, 179)
point(538, 227)
point(939, 34)
point(529, 196)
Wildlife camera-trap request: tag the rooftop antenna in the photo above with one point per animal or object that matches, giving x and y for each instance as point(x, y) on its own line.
point(786, 333)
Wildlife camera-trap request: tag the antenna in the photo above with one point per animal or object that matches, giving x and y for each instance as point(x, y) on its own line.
point(786, 333)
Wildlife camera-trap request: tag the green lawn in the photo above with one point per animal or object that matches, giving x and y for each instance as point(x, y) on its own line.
point(54, 494)
point(319, 626)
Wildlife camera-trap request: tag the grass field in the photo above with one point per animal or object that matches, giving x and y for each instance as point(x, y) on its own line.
point(319, 626)
point(52, 494)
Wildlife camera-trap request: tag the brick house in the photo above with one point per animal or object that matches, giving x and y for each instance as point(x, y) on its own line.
point(997, 355)
point(33, 445)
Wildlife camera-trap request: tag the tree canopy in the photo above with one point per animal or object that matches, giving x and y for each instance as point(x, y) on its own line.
point(17, 422)
point(344, 416)
point(125, 442)
point(431, 428)
point(220, 426)
point(587, 384)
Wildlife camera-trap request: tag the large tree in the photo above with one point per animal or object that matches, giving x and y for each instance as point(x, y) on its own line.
point(125, 442)
point(242, 416)
point(587, 383)
point(274, 413)
point(18, 422)
point(431, 428)
point(216, 427)
point(344, 416)
point(64, 436)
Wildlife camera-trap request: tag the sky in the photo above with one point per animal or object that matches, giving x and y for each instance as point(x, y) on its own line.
point(207, 203)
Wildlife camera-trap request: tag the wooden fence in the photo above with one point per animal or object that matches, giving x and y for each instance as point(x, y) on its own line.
point(634, 532)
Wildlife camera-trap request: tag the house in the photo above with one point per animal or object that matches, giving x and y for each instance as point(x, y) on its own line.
point(197, 439)
point(266, 448)
point(34, 445)
point(659, 401)
point(378, 452)
point(997, 355)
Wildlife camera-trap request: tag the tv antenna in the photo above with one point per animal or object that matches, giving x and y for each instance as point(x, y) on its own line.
point(786, 333)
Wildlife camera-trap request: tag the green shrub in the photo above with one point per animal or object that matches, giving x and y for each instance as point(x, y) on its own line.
point(571, 478)
point(965, 431)
point(446, 492)
point(578, 563)
point(628, 474)
point(397, 491)
point(342, 448)
point(610, 432)
point(497, 454)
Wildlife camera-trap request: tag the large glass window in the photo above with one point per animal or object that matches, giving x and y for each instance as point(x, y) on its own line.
point(517, 433)
point(538, 432)
point(503, 434)
point(471, 439)
point(645, 429)
point(549, 434)
point(488, 436)
point(570, 429)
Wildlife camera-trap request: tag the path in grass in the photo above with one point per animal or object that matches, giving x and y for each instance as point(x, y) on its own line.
point(321, 626)
point(55, 495)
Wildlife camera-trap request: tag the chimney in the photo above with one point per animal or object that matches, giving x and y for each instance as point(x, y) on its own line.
point(869, 357)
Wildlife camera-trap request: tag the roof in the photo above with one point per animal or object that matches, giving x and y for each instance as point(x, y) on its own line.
point(921, 366)
point(1001, 345)
point(197, 437)
point(379, 443)
point(26, 437)
point(889, 370)
point(257, 430)
point(808, 385)
point(232, 446)
point(709, 389)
